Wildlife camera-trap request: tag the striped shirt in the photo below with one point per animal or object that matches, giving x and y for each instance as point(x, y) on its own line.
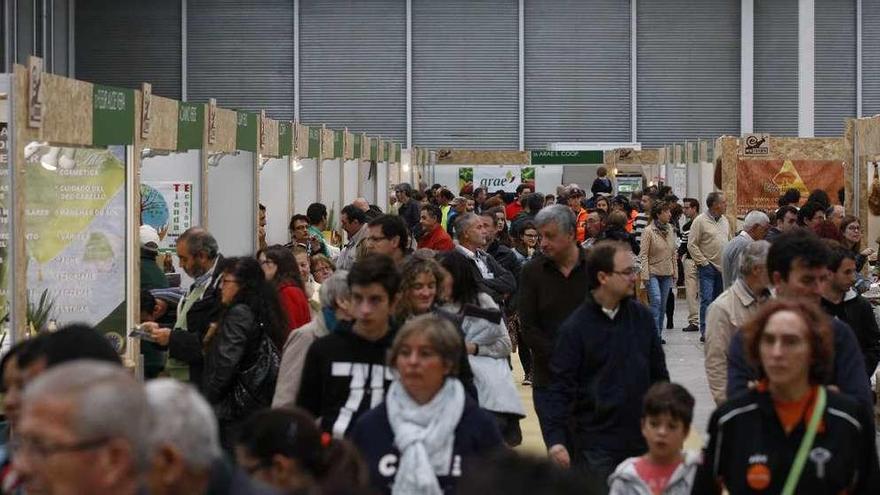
point(639, 225)
point(685, 232)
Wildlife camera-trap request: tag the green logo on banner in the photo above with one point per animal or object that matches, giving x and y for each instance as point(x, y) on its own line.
point(246, 131)
point(285, 139)
point(374, 149)
point(592, 157)
point(357, 146)
point(314, 142)
point(112, 116)
point(338, 144)
point(190, 126)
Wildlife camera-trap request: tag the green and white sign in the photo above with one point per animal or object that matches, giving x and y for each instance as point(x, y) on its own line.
point(112, 116)
point(314, 142)
point(285, 139)
point(190, 126)
point(593, 157)
point(246, 131)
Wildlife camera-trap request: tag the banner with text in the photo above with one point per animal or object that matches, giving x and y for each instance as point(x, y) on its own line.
point(759, 183)
point(495, 177)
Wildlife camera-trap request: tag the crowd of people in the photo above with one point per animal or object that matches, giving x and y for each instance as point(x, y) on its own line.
point(383, 365)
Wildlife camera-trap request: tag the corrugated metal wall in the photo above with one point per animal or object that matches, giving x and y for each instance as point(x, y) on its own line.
point(835, 68)
point(870, 58)
point(465, 73)
point(127, 43)
point(776, 67)
point(577, 71)
point(353, 65)
point(241, 54)
point(688, 70)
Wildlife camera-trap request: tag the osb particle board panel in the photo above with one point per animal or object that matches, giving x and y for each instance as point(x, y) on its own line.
point(226, 131)
point(163, 125)
point(67, 111)
point(629, 156)
point(327, 143)
point(270, 138)
point(348, 151)
point(477, 157)
point(301, 141)
point(780, 148)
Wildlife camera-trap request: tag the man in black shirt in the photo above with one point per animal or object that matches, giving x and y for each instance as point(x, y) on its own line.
point(552, 285)
point(410, 209)
point(346, 373)
point(690, 208)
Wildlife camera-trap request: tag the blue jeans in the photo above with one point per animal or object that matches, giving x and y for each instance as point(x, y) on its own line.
point(658, 293)
point(711, 287)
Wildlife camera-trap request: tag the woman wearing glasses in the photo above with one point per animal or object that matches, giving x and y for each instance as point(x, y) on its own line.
point(279, 266)
point(790, 434)
point(241, 348)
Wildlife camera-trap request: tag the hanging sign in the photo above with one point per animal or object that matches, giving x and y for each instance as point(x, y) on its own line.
point(35, 92)
point(592, 157)
point(496, 177)
point(146, 109)
point(756, 145)
point(759, 183)
point(338, 144)
point(168, 208)
point(112, 116)
point(358, 139)
point(246, 132)
point(212, 121)
point(314, 149)
point(285, 138)
point(190, 126)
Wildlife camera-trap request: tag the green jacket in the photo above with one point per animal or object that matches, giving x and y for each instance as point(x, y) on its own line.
point(152, 277)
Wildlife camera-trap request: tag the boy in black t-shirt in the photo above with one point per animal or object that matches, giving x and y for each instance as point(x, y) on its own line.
point(346, 373)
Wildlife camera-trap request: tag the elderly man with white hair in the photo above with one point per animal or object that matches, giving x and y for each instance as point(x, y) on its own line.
point(85, 427)
point(755, 228)
point(731, 310)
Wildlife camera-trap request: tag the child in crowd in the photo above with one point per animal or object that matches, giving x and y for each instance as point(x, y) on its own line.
point(665, 469)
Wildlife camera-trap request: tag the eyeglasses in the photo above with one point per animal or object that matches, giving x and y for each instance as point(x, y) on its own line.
point(854, 228)
point(35, 447)
point(530, 236)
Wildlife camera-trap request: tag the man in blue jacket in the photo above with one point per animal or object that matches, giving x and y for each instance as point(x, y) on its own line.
point(606, 357)
point(797, 264)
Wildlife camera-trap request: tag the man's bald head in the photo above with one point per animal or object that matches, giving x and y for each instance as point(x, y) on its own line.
point(361, 204)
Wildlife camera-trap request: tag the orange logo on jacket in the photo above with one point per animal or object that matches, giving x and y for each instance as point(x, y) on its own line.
point(758, 476)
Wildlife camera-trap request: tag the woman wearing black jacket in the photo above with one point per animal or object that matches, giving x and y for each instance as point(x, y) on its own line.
point(423, 438)
point(756, 438)
point(241, 349)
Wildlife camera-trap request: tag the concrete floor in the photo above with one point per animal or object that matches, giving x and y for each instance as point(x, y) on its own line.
point(684, 358)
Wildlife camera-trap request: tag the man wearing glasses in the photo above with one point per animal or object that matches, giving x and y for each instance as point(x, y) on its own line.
point(86, 428)
point(606, 357)
point(388, 235)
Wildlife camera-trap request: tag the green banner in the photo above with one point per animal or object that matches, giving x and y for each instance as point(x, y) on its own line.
point(397, 154)
point(314, 142)
point(190, 126)
point(285, 139)
point(357, 146)
point(374, 149)
point(246, 131)
point(338, 144)
point(592, 157)
point(112, 116)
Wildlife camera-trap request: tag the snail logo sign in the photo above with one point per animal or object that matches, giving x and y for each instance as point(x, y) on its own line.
point(759, 183)
point(756, 145)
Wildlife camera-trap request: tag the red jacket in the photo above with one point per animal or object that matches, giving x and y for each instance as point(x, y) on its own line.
point(513, 209)
point(296, 306)
point(437, 240)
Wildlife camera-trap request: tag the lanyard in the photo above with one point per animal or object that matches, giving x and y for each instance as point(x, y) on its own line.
point(797, 467)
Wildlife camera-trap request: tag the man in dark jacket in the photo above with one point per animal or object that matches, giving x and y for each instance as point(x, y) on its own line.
point(494, 279)
point(502, 254)
point(606, 357)
point(551, 286)
point(151, 278)
point(409, 208)
point(842, 301)
point(797, 264)
point(200, 258)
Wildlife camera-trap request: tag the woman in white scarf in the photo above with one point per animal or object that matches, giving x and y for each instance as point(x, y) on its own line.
point(419, 440)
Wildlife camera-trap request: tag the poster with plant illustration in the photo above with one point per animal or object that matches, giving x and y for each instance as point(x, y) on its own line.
point(495, 178)
point(75, 221)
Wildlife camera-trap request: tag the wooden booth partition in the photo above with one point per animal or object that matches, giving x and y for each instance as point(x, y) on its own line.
point(75, 242)
point(863, 141)
point(755, 181)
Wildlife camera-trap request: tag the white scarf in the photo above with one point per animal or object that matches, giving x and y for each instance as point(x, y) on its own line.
point(424, 434)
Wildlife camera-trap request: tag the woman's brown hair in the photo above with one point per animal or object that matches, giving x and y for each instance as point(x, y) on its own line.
point(819, 336)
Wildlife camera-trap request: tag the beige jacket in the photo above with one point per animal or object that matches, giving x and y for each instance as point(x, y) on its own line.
point(707, 239)
point(657, 252)
point(733, 308)
point(293, 359)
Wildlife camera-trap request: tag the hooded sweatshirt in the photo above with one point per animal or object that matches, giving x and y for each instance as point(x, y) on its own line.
point(626, 481)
